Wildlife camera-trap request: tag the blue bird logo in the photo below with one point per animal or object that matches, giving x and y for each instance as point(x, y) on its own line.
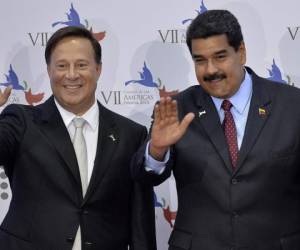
point(73, 19)
point(201, 10)
point(146, 78)
point(12, 80)
point(275, 73)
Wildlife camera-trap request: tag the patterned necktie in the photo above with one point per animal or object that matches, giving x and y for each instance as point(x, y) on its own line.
point(230, 132)
point(81, 155)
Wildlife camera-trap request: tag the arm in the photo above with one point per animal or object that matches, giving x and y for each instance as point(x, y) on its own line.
point(11, 131)
point(166, 130)
point(142, 213)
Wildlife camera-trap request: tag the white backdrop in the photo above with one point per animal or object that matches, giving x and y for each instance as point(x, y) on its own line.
point(140, 33)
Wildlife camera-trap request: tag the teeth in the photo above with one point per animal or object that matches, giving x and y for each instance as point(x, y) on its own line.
point(73, 87)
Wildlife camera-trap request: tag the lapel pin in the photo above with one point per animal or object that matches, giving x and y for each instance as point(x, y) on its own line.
point(112, 137)
point(262, 112)
point(202, 113)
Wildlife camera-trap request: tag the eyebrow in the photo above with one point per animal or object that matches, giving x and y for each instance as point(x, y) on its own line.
point(221, 52)
point(195, 56)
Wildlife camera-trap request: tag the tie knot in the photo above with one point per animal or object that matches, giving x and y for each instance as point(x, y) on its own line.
point(226, 105)
point(78, 122)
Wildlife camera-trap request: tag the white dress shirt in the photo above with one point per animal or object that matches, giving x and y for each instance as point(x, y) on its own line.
point(90, 131)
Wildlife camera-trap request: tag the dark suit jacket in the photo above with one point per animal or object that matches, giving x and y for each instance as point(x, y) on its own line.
point(256, 207)
point(47, 205)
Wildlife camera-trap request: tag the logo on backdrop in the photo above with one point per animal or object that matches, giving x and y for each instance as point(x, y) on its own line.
point(169, 215)
point(12, 80)
point(201, 10)
point(174, 35)
point(147, 80)
point(72, 19)
point(144, 95)
point(276, 75)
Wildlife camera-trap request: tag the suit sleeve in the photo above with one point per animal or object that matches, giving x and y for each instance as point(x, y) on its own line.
point(12, 127)
point(142, 214)
point(141, 175)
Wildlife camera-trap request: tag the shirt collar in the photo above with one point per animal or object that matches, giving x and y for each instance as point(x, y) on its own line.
point(240, 99)
point(91, 116)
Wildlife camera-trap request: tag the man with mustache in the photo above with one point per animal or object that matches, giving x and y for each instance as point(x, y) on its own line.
point(233, 145)
point(68, 162)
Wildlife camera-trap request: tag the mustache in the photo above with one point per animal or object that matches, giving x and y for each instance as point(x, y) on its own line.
point(213, 77)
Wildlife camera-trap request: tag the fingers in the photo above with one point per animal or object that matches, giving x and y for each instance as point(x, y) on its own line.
point(4, 96)
point(7, 92)
point(157, 117)
point(174, 111)
point(168, 106)
point(186, 121)
point(166, 129)
point(166, 110)
point(162, 108)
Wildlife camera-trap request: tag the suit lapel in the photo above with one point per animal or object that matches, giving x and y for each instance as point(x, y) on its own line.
point(259, 112)
point(53, 127)
point(108, 139)
point(208, 118)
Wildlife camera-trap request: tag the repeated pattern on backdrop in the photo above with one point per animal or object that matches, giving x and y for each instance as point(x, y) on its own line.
point(144, 57)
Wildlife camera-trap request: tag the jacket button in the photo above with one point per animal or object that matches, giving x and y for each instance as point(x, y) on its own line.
point(88, 244)
point(234, 181)
point(70, 239)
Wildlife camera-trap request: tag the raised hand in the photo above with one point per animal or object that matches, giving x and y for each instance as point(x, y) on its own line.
point(4, 95)
point(166, 128)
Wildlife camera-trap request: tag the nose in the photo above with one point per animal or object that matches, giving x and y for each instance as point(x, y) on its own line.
point(72, 73)
point(211, 68)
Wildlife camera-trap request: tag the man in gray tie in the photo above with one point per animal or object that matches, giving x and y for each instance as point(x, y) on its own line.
point(68, 162)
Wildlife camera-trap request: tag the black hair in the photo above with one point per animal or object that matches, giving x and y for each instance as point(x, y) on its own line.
point(215, 22)
point(72, 31)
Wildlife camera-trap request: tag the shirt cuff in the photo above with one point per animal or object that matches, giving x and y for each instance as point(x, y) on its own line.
point(151, 164)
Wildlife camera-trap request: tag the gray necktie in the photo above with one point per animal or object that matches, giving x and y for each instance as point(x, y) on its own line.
point(81, 155)
point(81, 152)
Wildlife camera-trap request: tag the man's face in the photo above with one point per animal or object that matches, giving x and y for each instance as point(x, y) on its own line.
point(219, 67)
point(73, 74)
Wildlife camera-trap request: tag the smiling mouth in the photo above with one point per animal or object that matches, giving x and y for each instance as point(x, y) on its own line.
point(72, 87)
point(215, 80)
